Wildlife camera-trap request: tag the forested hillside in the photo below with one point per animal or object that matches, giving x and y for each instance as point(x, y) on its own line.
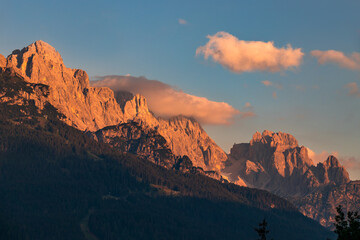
point(58, 183)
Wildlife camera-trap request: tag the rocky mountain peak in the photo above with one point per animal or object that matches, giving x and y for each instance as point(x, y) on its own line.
point(332, 162)
point(95, 108)
point(331, 171)
point(256, 137)
point(41, 63)
point(45, 50)
point(85, 108)
point(275, 162)
point(279, 140)
point(2, 61)
point(137, 109)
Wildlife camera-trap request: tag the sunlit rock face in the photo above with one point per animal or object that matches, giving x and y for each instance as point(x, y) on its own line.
point(186, 137)
point(321, 203)
point(2, 61)
point(275, 162)
point(93, 108)
point(85, 107)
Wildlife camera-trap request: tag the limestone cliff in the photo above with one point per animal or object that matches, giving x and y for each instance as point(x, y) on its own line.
point(93, 108)
point(85, 107)
point(184, 136)
point(2, 61)
point(275, 162)
point(321, 203)
point(133, 137)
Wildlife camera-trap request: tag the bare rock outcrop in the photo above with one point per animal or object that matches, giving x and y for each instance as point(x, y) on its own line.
point(186, 137)
point(321, 203)
point(147, 143)
point(270, 160)
point(2, 61)
point(93, 108)
point(275, 162)
point(85, 107)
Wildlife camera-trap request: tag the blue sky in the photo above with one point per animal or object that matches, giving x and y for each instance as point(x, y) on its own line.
point(145, 38)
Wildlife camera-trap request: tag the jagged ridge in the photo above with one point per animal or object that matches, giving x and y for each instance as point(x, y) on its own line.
point(275, 162)
point(92, 108)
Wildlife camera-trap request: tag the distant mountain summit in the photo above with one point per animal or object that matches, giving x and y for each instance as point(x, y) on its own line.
point(275, 162)
point(95, 108)
point(85, 107)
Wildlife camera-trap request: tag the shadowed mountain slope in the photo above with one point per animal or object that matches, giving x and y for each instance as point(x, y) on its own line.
point(56, 182)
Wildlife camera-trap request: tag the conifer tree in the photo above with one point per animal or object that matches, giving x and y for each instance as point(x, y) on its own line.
point(262, 230)
point(347, 228)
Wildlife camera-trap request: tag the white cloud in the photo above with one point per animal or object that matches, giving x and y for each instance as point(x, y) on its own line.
point(339, 58)
point(167, 101)
point(247, 56)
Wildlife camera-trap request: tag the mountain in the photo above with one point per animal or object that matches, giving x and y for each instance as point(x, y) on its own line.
point(92, 108)
point(275, 162)
point(58, 182)
point(84, 107)
point(321, 203)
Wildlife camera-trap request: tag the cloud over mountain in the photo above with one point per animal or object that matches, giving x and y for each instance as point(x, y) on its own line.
point(353, 89)
point(167, 101)
point(339, 58)
point(247, 56)
point(320, 157)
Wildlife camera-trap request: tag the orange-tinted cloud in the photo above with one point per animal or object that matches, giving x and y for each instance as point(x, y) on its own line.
point(247, 111)
point(167, 101)
point(268, 83)
point(339, 58)
point(351, 163)
point(182, 21)
point(247, 56)
point(353, 89)
point(274, 95)
point(248, 105)
point(320, 157)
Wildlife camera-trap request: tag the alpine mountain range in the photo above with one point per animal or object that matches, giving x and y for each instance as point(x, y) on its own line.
point(35, 79)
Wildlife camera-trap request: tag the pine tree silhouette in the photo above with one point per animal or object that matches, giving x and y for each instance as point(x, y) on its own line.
point(347, 228)
point(262, 230)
